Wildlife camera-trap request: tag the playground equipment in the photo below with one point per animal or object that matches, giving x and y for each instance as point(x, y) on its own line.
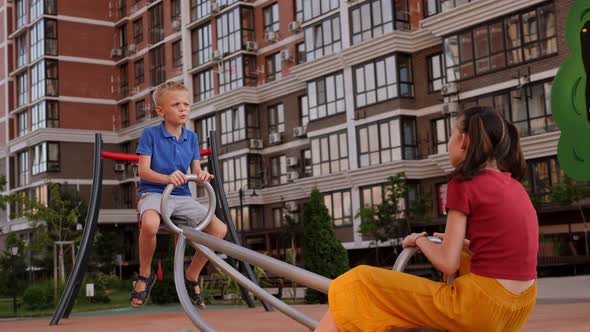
point(205, 244)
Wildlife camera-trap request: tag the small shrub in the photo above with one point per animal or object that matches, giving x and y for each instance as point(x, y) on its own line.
point(38, 297)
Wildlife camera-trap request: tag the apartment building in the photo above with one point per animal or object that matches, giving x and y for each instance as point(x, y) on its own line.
point(331, 94)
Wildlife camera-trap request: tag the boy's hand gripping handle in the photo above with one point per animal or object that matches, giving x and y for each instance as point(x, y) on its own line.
point(210, 212)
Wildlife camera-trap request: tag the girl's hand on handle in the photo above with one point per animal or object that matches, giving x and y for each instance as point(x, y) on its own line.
point(410, 240)
point(442, 237)
point(177, 178)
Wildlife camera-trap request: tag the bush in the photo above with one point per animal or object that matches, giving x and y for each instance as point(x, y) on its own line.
point(38, 297)
point(101, 282)
point(322, 252)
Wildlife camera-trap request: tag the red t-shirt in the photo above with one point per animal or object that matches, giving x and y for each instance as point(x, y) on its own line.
point(502, 225)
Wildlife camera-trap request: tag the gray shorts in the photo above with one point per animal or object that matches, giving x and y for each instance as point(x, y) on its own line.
point(184, 209)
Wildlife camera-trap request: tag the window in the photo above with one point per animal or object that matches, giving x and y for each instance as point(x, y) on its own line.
point(387, 141)
point(23, 84)
point(177, 54)
point(326, 96)
point(50, 37)
point(124, 80)
point(375, 17)
point(304, 110)
point(156, 21)
point(37, 41)
point(436, 72)
point(23, 123)
point(140, 110)
point(21, 13)
point(123, 38)
point(276, 119)
point(199, 9)
point(203, 85)
point(238, 124)
point(278, 217)
point(36, 9)
point(375, 194)
point(309, 9)
point(225, 3)
point(271, 18)
point(125, 115)
point(204, 126)
point(44, 81)
point(433, 7)
point(175, 11)
point(509, 41)
point(21, 47)
point(138, 31)
point(45, 157)
point(383, 79)
point(278, 170)
point(441, 131)
point(273, 67)
point(23, 168)
point(329, 154)
point(201, 45)
point(228, 32)
point(157, 65)
point(323, 38)
point(237, 72)
point(339, 206)
point(529, 108)
point(241, 218)
point(45, 115)
point(139, 72)
point(306, 164)
point(543, 175)
point(301, 53)
point(235, 176)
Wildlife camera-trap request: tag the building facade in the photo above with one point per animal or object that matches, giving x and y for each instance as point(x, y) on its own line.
point(333, 94)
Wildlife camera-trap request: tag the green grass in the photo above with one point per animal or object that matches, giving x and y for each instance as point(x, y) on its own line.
point(119, 299)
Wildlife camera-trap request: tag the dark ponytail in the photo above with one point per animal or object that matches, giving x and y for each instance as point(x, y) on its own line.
point(491, 137)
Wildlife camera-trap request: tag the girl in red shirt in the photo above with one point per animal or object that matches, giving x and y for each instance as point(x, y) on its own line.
point(487, 204)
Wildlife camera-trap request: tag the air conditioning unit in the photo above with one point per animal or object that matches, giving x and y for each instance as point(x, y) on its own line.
point(131, 48)
point(451, 108)
point(449, 89)
point(294, 26)
point(215, 8)
point(176, 25)
point(523, 80)
point(299, 131)
point(119, 167)
point(251, 46)
point(291, 206)
point(292, 176)
point(116, 52)
point(256, 143)
point(216, 56)
point(274, 138)
point(270, 36)
point(292, 161)
point(286, 55)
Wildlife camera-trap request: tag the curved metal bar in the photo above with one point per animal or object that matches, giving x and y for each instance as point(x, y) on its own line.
point(68, 296)
point(257, 290)
point(210, 212)
point(185, 301)
point(275, 266)
point(404, 258)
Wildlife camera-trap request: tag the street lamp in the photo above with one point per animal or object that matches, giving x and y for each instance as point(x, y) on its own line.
point(13, 253)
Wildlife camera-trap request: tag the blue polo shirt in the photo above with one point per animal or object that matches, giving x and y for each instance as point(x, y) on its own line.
point(168, 155)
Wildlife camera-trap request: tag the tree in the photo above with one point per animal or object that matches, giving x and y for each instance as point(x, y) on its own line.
point(322, 252)
point(569, 193)
point(387, 220)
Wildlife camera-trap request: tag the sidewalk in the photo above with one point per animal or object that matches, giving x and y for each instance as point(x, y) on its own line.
point(563, 290)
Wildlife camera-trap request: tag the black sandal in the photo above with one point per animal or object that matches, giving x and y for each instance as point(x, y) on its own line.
point(143, 295)
point(196, 298)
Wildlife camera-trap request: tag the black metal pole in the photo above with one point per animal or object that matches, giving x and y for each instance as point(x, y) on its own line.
point(74, 282)
point(14, 284)
point(225, 214)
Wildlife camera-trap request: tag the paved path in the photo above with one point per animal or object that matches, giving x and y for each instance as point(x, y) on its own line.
point(563, 305)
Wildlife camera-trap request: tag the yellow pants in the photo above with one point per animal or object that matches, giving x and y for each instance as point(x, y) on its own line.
point(374, 299)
